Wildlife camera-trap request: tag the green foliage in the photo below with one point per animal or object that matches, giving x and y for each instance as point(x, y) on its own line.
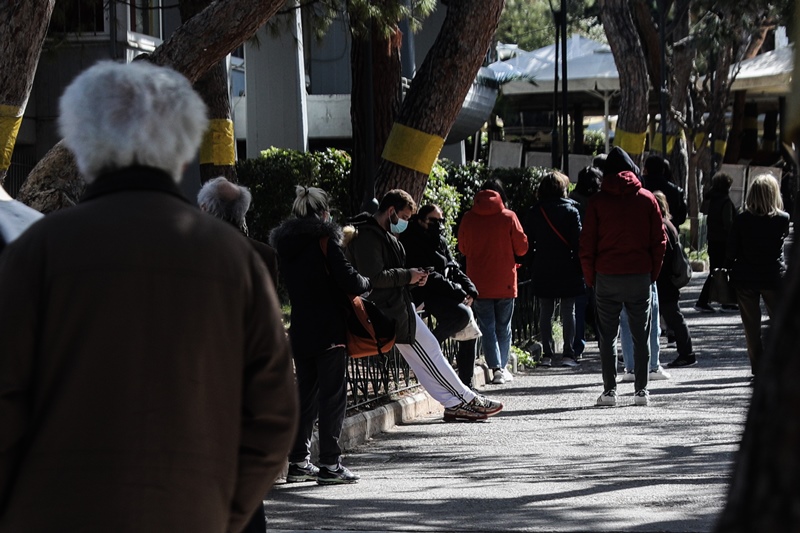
point(272, 179)
point(594, 142)
point(520, 185)
point(524, 358)
point(529, 23)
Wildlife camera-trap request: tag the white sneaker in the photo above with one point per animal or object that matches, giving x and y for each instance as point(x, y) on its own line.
point(659, 374)
point(498, 378)
point(608, 398)
point(627, 377)
point(507, 375)
point(641, 397)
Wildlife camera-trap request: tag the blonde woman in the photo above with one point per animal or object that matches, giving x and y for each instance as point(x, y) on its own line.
point(755, 258)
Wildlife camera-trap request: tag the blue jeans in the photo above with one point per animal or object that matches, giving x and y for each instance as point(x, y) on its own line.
point(655, 331)
point(494, 320)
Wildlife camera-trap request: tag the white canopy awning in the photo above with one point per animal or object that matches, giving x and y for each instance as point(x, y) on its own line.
point(767, 73)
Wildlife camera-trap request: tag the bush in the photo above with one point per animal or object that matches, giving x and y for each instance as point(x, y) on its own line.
point(272, 179)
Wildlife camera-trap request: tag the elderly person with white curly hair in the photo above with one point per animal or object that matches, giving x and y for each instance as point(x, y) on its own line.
point(145, 376)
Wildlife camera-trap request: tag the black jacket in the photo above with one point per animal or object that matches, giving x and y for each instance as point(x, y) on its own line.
point(447, 279)
point(554, 265)
point(317, 286)
point(377, 254)
point(677, 204)
point(721, 213)
point(755, 250)
point(667, 291)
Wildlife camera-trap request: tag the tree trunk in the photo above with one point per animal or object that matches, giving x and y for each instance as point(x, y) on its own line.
point(195, 47)
point(217, 152)
point(763, 494)
point(24, 26)
point(632, 67)
point(439, 88)
point(739, 99)
point(385, 98)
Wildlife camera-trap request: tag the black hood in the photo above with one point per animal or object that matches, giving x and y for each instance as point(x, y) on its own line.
point(294, 234)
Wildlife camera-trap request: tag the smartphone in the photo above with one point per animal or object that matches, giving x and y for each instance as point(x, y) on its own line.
point(428, 269)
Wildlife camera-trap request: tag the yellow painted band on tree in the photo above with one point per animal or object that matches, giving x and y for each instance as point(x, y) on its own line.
point(10, 121)
point(412, 148)
point(218, 144)
point(719, 147)
point(633, 143)
point(656, 145)
point(699, 140)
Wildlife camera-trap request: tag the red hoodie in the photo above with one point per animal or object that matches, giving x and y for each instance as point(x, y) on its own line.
point(490, 236)
point(622, 230)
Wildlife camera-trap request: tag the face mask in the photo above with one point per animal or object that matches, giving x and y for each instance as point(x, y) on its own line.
point(398, 227)
point(434, 229)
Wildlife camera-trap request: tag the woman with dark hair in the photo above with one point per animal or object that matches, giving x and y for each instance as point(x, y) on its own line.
point(755, 258)
point(669, 295)
point(719, 220)
point(317, 276)
point(553, 227)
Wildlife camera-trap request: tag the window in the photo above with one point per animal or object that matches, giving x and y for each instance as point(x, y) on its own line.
point(78, 16)
point(145, 17)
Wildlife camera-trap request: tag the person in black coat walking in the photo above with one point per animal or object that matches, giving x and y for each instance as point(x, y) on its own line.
point(318, 283)
point(719, 220)
point(553, 227)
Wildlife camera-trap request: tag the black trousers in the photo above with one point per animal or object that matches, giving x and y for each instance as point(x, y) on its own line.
point(322, 386)
point(451, 317)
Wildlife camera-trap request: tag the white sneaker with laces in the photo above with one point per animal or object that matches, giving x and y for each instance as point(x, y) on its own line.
point(608, 398)
point(659, 374)
point(627, 377)
point(641, 397)
point(498, 378)
point(507, 375)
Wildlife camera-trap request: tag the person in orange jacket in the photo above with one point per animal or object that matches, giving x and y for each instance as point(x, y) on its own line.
point(491, 238)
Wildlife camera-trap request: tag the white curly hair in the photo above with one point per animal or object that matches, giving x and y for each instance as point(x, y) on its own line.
point(116, 115)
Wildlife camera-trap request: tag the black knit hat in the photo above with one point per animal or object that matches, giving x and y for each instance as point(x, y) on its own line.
point(619, 161)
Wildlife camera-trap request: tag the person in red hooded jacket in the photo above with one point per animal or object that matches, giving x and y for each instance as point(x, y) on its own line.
point(621, 249)
point(491, 237)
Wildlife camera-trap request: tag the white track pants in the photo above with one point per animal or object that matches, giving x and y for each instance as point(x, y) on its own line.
point(433, 371)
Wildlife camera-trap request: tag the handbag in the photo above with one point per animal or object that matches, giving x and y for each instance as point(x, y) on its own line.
point(681, 268)
point(721, 289)
point(369, 330)
point(470, 331)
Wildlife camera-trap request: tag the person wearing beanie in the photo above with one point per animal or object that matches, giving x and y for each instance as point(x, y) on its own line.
point(622, 247)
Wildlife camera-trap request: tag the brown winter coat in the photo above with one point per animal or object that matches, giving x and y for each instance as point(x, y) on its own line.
point(145, 378)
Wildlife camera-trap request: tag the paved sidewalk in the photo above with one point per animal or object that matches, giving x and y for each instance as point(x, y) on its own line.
point(552, 461)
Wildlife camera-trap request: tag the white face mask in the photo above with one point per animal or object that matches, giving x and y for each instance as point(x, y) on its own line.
point(398, 227)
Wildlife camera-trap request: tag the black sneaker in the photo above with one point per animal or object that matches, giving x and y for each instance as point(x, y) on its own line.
point(683, 361)
point(704, 308)
point(335, 477)
point(301, 473)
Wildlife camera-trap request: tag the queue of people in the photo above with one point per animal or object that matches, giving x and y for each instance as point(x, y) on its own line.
point(180, 410)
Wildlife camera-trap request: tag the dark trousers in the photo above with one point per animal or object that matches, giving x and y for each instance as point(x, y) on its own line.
point(611, 292)
point(322, 387)
point(451, 317)
point(750, 310)
point(547, 308)
point(716, 259)
point(673, 318)
point(581, 304)
point(465, 359)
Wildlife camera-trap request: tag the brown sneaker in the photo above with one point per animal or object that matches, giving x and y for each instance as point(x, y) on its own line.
point(463, 411)
point(484, 405)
